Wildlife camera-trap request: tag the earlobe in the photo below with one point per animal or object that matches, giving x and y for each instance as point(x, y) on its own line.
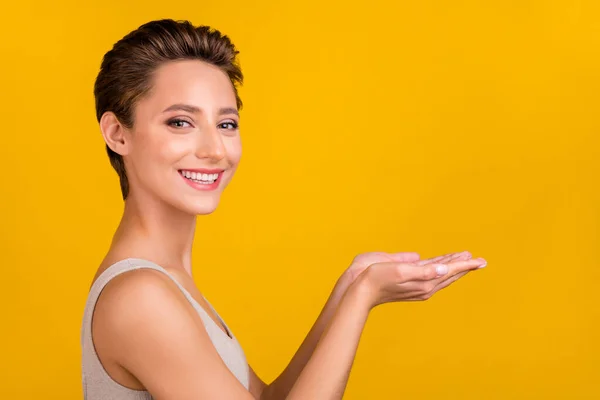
point(113, 133)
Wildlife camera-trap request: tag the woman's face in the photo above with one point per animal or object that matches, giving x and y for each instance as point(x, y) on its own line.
point(185, 143)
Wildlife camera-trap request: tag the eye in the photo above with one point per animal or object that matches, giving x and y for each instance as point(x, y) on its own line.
point(229, 125)
point(178, 123)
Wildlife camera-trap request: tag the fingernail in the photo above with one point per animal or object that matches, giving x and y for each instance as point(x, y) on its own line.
point(482, 265)
point(441, 269)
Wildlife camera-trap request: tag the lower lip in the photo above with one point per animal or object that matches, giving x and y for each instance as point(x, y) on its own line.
point(202, 186)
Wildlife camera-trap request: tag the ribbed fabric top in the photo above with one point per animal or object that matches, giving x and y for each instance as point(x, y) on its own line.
point(98, 385)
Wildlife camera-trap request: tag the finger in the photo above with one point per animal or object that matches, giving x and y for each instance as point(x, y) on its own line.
point(405, 257)
point(462, 256)
point(456, 267)
point(434, 259)
point(450, 258)
point(412, 272)
point(447, 258)
point(453, 272)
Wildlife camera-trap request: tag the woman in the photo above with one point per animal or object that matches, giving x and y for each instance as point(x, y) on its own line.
point(167, 105)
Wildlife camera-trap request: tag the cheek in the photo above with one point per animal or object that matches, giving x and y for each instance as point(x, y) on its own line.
point(174, 148)
point(234, 149)
point(161, 148)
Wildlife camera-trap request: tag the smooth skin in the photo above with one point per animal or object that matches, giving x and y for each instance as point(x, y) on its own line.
point(146, 333)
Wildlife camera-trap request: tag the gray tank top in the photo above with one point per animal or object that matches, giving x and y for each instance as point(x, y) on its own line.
point(98, 385)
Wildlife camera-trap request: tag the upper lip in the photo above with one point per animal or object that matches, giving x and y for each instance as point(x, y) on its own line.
point(204, 170)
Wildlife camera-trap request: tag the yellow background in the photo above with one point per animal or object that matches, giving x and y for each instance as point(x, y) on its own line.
point(429, 126)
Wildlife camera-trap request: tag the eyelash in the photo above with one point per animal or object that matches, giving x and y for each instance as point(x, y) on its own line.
point(177, 120)
point(234, 124)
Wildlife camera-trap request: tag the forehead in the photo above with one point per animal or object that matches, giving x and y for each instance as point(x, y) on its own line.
point(191, 82)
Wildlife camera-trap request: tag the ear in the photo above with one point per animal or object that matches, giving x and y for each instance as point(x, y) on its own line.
point(114, 133)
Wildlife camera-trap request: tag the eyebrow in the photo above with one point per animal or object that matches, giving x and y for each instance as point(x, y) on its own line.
point(193, 109)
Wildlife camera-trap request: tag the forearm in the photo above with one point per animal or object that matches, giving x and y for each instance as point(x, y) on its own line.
point(280, 387)
point(326, 373)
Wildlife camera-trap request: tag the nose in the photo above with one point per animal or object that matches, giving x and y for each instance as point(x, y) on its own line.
point(210, 144)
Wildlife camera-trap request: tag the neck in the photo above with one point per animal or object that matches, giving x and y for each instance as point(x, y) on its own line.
point(158, 232)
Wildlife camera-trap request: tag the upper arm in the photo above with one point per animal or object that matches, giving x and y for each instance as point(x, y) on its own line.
point(157, 336)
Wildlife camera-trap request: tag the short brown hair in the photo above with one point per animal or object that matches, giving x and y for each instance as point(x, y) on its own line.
point(126, 71)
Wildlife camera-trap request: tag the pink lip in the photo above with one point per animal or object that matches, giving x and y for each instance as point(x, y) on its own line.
point(205, 170)
point(203, 186)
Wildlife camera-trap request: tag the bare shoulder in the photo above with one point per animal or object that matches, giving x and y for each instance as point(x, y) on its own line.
point(144, 324)
point(134, 293)
point(129, 303)
point(132, 304)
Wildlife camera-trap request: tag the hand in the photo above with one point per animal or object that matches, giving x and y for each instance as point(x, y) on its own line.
point(362, 261)
point(386, 282)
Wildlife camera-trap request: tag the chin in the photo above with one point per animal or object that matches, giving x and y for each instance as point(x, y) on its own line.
point(201, 206)
point(204, 210)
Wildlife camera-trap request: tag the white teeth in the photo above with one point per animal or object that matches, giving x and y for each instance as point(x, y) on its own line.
point(200, 177)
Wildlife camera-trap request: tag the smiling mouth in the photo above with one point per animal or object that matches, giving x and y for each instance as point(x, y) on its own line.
point(200, 177)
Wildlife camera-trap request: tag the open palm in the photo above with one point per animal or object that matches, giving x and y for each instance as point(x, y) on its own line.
point(363, 261)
